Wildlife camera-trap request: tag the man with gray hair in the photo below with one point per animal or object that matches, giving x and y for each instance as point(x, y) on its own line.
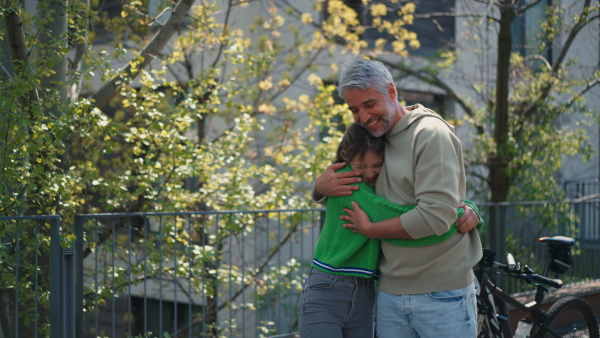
point(424, 291)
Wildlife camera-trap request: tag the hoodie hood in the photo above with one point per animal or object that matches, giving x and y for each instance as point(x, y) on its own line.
point(415, 113)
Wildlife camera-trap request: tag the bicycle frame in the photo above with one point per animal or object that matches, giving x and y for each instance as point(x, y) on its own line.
point(567, 315)
point(534, 307)
point(529, 307)
point(513, 269)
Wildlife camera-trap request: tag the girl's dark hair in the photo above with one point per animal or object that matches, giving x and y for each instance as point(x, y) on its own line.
point(357, 141)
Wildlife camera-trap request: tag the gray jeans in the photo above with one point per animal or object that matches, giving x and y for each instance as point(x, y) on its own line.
point(336, 306)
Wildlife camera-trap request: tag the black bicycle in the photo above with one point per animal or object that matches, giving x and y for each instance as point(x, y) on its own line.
point(568, 317)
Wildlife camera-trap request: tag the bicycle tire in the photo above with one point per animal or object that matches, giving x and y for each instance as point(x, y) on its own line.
point(496, 327)
point(570, 317)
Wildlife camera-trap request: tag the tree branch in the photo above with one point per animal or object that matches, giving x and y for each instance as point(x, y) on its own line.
point(150, 52)
point(545, 92)
point(18, 47)
point(526, 6)
point(16, 39)
point(262, 267)
point(452, 14)
point(105, 234)
point(298, 74)
point(582, 22)
point(225, 28)
point(540, 58)
point(80, 50)
point(583, 90)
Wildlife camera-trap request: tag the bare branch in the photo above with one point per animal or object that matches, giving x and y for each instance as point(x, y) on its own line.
point(298, 74)
point(579, 25)
point(540, 58)
point(586, 198)
point(583, 90)
point(6, 72)
point(262, 267)
point(107, 233)
point(489, 4)
point(526, 6)
point(451, 14)
point(225, 29)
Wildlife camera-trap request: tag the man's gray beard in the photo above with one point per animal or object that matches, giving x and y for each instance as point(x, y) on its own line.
point(382, 131)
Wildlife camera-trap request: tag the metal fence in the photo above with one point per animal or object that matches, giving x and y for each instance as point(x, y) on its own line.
point(31, 292)
point(204, 274)
point(516, 227)
point(583, 189)
point(212, 274)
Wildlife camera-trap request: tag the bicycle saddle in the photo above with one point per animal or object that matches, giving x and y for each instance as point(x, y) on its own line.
point(562, 241)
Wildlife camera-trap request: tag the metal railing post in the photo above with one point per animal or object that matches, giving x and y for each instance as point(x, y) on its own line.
point(56, 308)
point(498, 234)
point(69, 293)
point(498, 228)
point(322, 219)
point(78, 275)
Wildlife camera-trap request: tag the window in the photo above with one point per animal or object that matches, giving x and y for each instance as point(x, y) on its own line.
point(434, 33)
point(527, 31)
point(434, 102)
point(145, 314)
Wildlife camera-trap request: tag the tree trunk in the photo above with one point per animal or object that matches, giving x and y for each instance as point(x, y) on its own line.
point(54, 35)
point(18, 49)
point(498, 161)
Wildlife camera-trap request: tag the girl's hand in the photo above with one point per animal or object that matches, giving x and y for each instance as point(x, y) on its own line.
point(469, 219)
point(358, 221)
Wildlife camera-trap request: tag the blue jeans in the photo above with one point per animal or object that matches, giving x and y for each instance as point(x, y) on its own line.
point(450, 313)
point(336, 306)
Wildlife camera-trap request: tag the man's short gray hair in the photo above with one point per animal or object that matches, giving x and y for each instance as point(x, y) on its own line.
point(361, 73)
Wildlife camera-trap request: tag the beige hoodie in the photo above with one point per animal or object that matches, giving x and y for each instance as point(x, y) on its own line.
point(424, 167)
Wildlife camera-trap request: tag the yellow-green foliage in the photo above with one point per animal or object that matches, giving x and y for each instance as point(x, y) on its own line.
point(224, 118)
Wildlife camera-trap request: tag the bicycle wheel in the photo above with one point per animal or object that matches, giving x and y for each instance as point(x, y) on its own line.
point(495, 324)
point(570, 317)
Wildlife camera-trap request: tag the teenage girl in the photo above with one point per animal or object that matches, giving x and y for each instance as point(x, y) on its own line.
point(338, 297)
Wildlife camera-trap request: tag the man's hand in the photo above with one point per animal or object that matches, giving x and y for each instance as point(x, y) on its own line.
point(469, 219)
point(331, 183)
